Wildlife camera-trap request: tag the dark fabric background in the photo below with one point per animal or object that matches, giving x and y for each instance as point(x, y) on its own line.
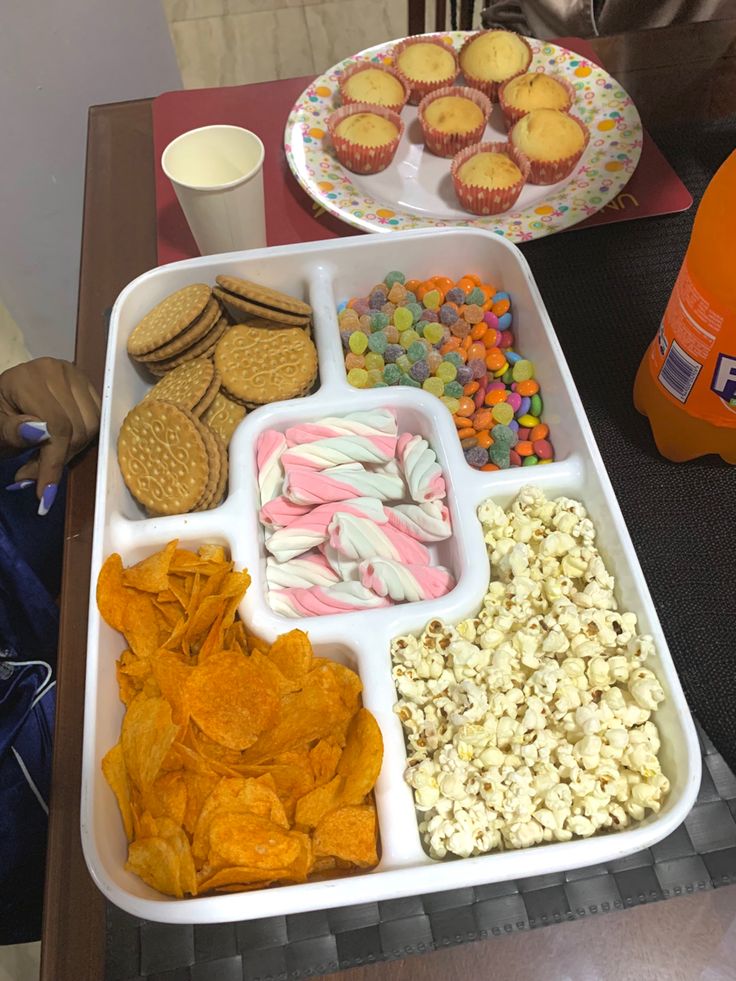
point(606, 289)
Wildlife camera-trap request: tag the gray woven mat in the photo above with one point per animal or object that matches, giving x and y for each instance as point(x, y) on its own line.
point(699, 855)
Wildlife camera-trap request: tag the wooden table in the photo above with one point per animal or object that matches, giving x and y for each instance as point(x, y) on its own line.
point(684, 72)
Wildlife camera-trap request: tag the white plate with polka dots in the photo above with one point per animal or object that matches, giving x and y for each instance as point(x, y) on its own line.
point(415, 190)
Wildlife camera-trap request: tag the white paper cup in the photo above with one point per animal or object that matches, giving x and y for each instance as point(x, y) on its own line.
point(217, 173)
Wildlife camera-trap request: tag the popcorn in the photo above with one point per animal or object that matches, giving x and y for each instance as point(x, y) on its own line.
point(531, 721)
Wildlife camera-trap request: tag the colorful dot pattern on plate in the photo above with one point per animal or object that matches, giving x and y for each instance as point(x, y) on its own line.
point(456, 341)
point(604, 169)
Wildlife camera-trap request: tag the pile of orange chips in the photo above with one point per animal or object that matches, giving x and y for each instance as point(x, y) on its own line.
point(239, 764)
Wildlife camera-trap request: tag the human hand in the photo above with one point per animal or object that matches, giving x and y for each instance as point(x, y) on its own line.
point(50, 404)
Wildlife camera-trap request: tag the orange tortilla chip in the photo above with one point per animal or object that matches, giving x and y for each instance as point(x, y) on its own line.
point(235, 795)
point(164, 863)
point(348, 834)
point(113, 768)
point(142, 627)
point(147, 734)
point(315, 712)
point(112, 595)
point(292, 654)
point(250, 840)
point(230, 701)
point(151, 573)
point(311, 808)
point(239, 878)
point(361, 759)
point(131, 672)
point(324, 758)
point(172, 675)
point(236, 759)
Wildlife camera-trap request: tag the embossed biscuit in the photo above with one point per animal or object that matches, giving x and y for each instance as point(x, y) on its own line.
point(192, 335)
point(163, 457)
point(223, 416)
point(203, 349)
point(219, 491)
point(234, 306)
point(250, 298)
point(259, 366)
point(169, 318)
point(186, 385)
point(213, 462)
point(207, 399)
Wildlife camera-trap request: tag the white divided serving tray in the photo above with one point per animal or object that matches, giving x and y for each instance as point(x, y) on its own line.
point(324, 274)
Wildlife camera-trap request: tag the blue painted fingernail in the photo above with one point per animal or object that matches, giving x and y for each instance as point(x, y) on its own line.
point(47, 498)
point(20, 485)
point(33, 432)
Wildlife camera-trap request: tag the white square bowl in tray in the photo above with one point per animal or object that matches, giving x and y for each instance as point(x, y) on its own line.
point(323, 274)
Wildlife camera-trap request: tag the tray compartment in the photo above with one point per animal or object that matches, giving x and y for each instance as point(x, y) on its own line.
point(324, 273)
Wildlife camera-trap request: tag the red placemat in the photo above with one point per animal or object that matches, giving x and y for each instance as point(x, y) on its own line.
point(654, 189)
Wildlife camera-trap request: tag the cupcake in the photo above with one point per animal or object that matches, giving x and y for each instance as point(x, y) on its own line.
point(491, 57)
point(553, 141)
point(425, 63)
point(365, 137)
point(375, 85)
point(488, 177)
point(534, 90)
point(453, 118)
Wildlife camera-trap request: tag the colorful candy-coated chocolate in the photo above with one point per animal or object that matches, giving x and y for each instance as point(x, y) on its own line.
point(514, 400)
point(543, 449)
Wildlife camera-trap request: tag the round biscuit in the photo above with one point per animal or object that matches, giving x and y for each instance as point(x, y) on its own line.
point(223, 416)
point(243, 309)
point(259, 365)
point(163, 457)
point(202, 349)
point(206, 401)
point(219, 491)
point(264, 295)
point(169, 318)
point(192, 335)
point(213, 460)
point(186, 385)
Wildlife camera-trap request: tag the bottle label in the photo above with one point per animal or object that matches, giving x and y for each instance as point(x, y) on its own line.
point(694, 359)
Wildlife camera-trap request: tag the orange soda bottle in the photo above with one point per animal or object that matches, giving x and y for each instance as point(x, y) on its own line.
point(686, 383)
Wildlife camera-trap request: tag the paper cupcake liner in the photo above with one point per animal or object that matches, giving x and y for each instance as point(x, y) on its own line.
point(551, 171)
point(363, 159)
point(487, 87)
point(417, 89)
point(361, 67)
point(484, 200)
point(448, 144)
point(512, 114)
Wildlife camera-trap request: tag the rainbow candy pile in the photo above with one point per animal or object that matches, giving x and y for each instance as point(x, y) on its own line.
point(455, 340)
